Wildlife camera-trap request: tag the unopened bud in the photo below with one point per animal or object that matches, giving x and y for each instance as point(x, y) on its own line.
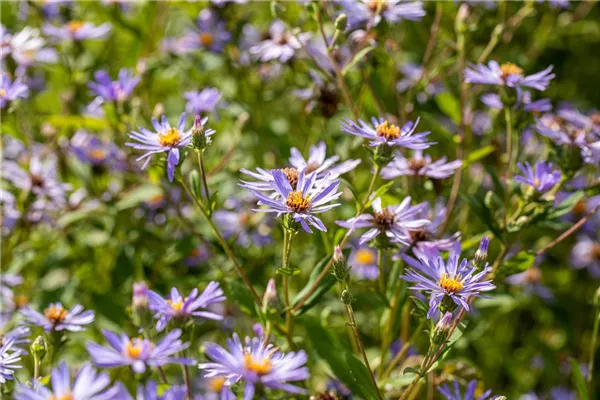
point(480, 258)
point(38, 348)
point(341, 22)
point(347, 297)
point(461, 16)
point(442, 329)
point(596, 300)
point(140, 296)
point(199, 140)
point(270, 298)
point(340, 268)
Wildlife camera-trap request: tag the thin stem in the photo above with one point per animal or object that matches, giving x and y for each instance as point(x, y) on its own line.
point(162, 375)
point(508, 162)
point(36, 368)
point(380, 257)
point(362, 347)
point(288, 236)
point(224, 245)
point(402, 351)
point(203, 172)
point(188, 383)
point(590, 375)
point(342, 243)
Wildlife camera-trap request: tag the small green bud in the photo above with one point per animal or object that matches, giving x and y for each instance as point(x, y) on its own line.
point(383, 155)
point(442, 330)
point(347, 297)
point(340, 268)
point(199, 140)
point(341, 22)
point(447, 305)
point(480, 258)
point(38, 348)
point(270, 299)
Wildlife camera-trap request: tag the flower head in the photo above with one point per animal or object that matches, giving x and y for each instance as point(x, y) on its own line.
point(524, 102)
point(238, 222)
point(281, 44)
point(205, 100)
point(508, 75)
point(11, 91)
point(542, 178)
point(137, 352)
point(447, 392)
point(319, 163)
point(58, 318)
point(302, 201)
point(586, 254)
point(531, 282)
point(151, 391)
point(391, 221)
point(211, 35)
point(119, 90)
point(176, 306)
point(362, 11)
point(382, 132)
point(90, 149)
point(255, 364)
point(26, 47)
point(77, 30)
point(8, 359)
point(363, 263)
point(88, 384)
point(453, 279)
point(419, 165)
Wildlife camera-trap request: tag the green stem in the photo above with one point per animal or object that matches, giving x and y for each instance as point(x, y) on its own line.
point(188, 383)
point(380, 257)
point(402, 351)
point(203, 172)
point(288, 237)
point(508, 162)
point(593, 352)
point(163, 377)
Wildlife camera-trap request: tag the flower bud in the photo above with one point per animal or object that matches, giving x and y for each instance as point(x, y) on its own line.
point(441, 332)
point(270, 298)
point(140, 296)
point(340, 267)
point(480, 258)
point(347, 297)
point(199, 140)
point(38, 348)
point(341, 22)
point(447, 304)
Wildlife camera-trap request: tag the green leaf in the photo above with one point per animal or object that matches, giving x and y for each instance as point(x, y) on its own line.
point(516, 264)
point(420, 307)
point(75, 122)
point(138, 195)
point(484, 213)
point(566, 205)
point(195, 185)
point(478, 155)
point(578, 380)
point(361, 375)
point(359, 56)
point(326, 283)
point(379, 192)
point(240, 294)
point(449, 105)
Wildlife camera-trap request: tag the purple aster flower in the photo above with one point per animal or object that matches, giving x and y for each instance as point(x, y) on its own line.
point(58, 318)
point(137, 352)
point(7, 282)
point(318, 50)
point(9, 214)
point(508, 75)
point(413, 73)
point(248, 229)
point(119, 90)
point(255, 364)
point(8, 359)
point(165, 139)
point(88, 385)
point(26, 47)
point(77, 30)
point(363, 11)
point(199, 254)
point(446, 281)
point(384, 133)
point(524, 102)
point(391, 222)
point(337, 387)
point(447, 392)
point(318, 162)
point(363, 260)
point(542, 178)
point(214, 389)
point(19, 335)
point(202, 101)
point(89, 149)
point(177, 307)
point(281, 44)
point(211, 35)
point(586, 254)
point(11, 91)
point(150, 391)
point(301, 202)
point(531, 282)
point(562, 393)
point(419, 165)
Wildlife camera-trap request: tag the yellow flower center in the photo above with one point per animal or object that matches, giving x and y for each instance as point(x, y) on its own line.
point(178, 305)
point(365, 256)
point(156, 199)
point(296, 202)
point(261, 367)
point(451, 285)
point(511, 69)
point(67, 396)
point(133, 349)
point(374, 4)
point(292, 176)
point(206, 39)
point(388, 131)
point(74, 26)
point(97, 154)
point(536, 182)
point(216, 384)
point(170, 137)
point(2, 93)
point(55, 313)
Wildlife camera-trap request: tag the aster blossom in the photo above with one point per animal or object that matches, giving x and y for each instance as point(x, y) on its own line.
point(391, 221)
point(238, 222)
point(524, 102)
point(447, 392)
point(90, 149)
point(319, 163)
point(26, 47)
point(150, 391)
point(58, 318)
point(363, 260)
point(281, 44)
point(212, 33)
point(255, 364)
point(119, 90)
point(301, 202)
point(419, 165)
point(447, 282)
point(382, 132)
point(11, 90)
point(541, 177)
point(77, 30)
point(9, 358)
point(205, 100)
point(509, 75)
point(179, 307)
point(363, 11)
point(137, 352)
point(88, 385)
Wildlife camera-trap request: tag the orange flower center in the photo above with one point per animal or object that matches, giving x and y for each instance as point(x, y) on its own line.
point(178, 305)
point(388, 131)
point(216, 384)
point(170, 137)
point(296, 202)
point(365, 256)
point(97, 154)
point(133, 349)
point(74, 26)
point(55, 313)
point(536, 182)
point(206, 39)
point(292, 176)
point(2, 93)
point(451, 285)
point(261, 367)
point(511, 69)
point(67, 396)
